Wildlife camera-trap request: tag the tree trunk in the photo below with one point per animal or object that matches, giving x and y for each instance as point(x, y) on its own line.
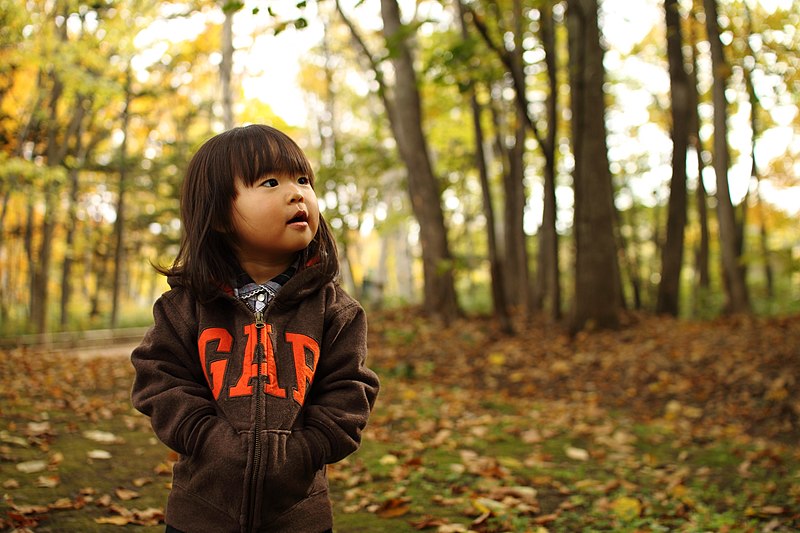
point(738, 300)
point(548, 285)
point(501, 311)
point(72, 198)
point(630, 257)
point(405, 116)
point(672, 255)
point(755, 106)
point(702, 275)
point(597, 291)
point(516, 250)
point(119, 223)
point(226, 67)
point(518, 288)
point(40, 278)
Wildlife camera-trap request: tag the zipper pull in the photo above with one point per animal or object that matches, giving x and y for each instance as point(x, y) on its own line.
point(260, 356)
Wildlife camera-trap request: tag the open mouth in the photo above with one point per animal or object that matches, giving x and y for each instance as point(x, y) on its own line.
point(301, 216)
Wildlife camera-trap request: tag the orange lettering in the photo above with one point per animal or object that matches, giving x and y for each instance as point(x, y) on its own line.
point(251, 370)
point(303, 370)
point(216, 374)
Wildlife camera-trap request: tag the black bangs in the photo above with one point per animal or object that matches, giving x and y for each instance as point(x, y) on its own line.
point(258, 150)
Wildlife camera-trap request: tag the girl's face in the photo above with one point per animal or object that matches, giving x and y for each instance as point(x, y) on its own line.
point(274, 219)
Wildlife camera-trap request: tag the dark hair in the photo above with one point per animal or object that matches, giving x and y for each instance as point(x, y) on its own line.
point(206, 260)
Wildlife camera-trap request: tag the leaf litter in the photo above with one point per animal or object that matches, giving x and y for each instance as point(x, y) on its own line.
point(663, 425)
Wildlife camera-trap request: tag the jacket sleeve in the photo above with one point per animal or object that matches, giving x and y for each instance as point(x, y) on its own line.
point(343, 392)
point(169, 386)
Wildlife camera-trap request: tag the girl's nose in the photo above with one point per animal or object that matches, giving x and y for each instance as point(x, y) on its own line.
point(295, 195)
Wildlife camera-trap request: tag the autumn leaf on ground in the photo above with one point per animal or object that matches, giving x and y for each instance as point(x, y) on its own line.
point(394, 507)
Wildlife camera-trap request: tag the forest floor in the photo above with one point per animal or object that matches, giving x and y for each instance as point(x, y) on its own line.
point(664, 425)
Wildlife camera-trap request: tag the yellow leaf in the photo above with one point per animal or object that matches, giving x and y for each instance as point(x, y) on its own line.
point(626, 508)
point(497, 359)
point(113, 520)
point(388, 459)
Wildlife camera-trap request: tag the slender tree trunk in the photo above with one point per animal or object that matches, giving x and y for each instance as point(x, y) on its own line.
point(597, 291)
point(630, 257)
point(672, 255)
point(72, 198)
point(69, 252)
point(119, 223)
point(548, 282)
point(405, 116)
point(702, 275)
point(226, 68)
point(755, 106)
point(41, 274)
point(516, 260)
point(404, 110)
point(516, 252)
point(738, 300)
point(501, 311)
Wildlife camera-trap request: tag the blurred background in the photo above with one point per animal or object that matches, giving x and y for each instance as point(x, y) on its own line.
point(563, 160)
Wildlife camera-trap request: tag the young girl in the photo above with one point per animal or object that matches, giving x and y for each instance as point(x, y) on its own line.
point(254, 370)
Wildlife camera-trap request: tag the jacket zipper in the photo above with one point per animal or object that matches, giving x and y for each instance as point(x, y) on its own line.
point(254, 479)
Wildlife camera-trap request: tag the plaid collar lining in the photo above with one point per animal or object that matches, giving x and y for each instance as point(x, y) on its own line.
point(258, 296)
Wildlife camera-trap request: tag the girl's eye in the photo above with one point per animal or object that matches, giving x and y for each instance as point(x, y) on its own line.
point(303, 180)
point(271, 182)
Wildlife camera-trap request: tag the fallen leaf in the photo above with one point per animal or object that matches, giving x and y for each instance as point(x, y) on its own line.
point(626, 508)
point(126, 494)
point(388, 459)
point(103, 437)
point(63, 504)
point(48, 482)
point(114, 520)
point(98, 454)
point(578, 454)
point(31, 467)
point(394, 507)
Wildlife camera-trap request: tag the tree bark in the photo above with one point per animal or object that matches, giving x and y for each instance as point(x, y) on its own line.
point(597, 291)
point(738, 300)
point(40, 278)
point(672, 255)
point(405, 115)
point(119, 223)
point(702, 275)
point(72, 199)
point(516, 262)
point(226, 68)
point(548, 284)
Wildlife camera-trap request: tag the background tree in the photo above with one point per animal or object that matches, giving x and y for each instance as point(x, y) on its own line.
point(403, 108)
point(672, 255)
point(596, 300)
point(738, 299)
